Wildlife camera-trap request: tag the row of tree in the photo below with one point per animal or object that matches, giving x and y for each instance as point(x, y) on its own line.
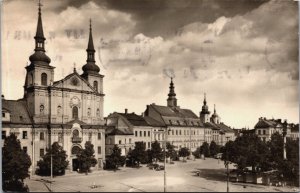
point(249, 150)
point(208, 150)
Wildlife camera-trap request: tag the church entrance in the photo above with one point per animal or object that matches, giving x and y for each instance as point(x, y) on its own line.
point(75, 164)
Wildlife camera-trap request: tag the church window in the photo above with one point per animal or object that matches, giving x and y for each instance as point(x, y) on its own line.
point(89, 112)
point(59, 110)
point(42, 136)
point(42, 109)
point(75, 112)
point(98, 112)
point(95, 84)
point(44, 79)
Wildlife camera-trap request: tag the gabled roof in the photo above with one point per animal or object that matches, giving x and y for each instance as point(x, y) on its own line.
point(118, 131)
point(56, 83)
point(174, 112)
point(134, 119)
point(153, 122)
point(18, 111)
point(266, 123)
point(221, 127)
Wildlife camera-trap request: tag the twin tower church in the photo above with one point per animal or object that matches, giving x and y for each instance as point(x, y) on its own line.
point(70, 111)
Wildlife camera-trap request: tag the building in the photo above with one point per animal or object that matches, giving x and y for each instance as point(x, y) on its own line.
point(68, 111)
point(264, 128)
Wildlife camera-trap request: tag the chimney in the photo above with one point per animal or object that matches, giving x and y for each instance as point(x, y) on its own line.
point(279, 120)
point(126, 111)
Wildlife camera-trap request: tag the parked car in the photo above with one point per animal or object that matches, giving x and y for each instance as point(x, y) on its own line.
point(153, 166)
point(161, 167)
point(218, 156)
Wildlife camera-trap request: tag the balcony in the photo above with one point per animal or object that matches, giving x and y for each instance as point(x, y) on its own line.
point(76, 139)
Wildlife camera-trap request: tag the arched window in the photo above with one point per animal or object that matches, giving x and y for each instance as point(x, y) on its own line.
point(42, 109)
point(75, 150)
point(75, 133)
point(75, 112)
point(98, 112)
point(59, 110)
point(95, 84)
point(44, 79)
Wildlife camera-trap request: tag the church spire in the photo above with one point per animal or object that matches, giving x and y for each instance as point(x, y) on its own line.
point(39, 55)
point(214, 108)
point(172, 101)
point(90, 67)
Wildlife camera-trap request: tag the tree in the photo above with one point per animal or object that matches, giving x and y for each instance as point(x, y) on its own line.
point(156, 151)
point(114, 160)
point(59, 161)
point(15, 165)
point(86, 158)
point(197, 152)
point(214, 149)
point(247, 150)
point(183, 152)
point(204, 149)
point(138, 154)
point(171, 152)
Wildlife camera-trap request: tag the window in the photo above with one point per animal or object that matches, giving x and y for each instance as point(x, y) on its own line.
point(89, 112)
point(145, 134)
point(264, 139)
point(172, 132)
point(25, 149)
point(95, 84)
point(178, 122)
point(120, 141)
point(60, 137)
point(136, 133)
point(42, 152)
point(148, 133)
point(42, 108)
point(141, 133)
point(149, 145)
point(90, 136)
point(170, 121)
point(42, 137)
point(264, 132)
point(3, 134)
point(98, 112)
point(129, 140)
point(3, 114)
point(99, 136)
point(44, 79)
point(75, 133)
point(184, 132)
point(99, 149)
point(179, 132)
point(24, 134)
point(75, 112)
point(258, 132)
point(176, 132)
point(59, 110)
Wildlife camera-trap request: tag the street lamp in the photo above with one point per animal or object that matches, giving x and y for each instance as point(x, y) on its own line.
point(165, 144)
point(227, 164)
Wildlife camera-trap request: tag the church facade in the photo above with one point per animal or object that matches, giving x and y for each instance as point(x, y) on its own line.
point(68, 111)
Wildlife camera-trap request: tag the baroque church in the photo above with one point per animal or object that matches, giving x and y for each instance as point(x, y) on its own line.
point(68, 111)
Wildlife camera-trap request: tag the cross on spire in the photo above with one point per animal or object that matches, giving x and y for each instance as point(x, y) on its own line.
point(40, 5)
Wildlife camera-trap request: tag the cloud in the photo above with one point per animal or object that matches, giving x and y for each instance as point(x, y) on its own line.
point(245, 58)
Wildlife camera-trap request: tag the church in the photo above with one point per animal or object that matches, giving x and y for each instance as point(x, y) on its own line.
point(68, 111)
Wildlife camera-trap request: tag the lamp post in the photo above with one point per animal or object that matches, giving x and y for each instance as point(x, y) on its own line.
point(227, 165)
point(165, 158)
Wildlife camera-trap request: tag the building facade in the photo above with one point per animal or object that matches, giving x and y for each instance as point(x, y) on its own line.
point(68, 111)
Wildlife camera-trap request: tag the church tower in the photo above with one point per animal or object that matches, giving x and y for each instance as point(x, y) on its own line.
point(39, 75)
point(215, 117)
point(90, 69)
point(204, 114)
point(172, 101)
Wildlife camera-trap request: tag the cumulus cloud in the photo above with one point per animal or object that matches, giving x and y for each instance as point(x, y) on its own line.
point(245, 59)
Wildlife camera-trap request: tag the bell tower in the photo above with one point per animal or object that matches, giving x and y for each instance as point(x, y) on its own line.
point(204, 114)
point(172, 101)
point(39, 74)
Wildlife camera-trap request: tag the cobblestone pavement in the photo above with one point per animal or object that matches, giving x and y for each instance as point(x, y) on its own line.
point(181, 177)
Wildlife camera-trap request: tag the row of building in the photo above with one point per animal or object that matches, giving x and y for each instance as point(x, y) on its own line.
point(70, 111)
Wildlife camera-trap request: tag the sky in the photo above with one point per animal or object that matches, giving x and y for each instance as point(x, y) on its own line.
point(242, 53)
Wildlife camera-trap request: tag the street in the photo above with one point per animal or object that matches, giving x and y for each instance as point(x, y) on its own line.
point(181, 177)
